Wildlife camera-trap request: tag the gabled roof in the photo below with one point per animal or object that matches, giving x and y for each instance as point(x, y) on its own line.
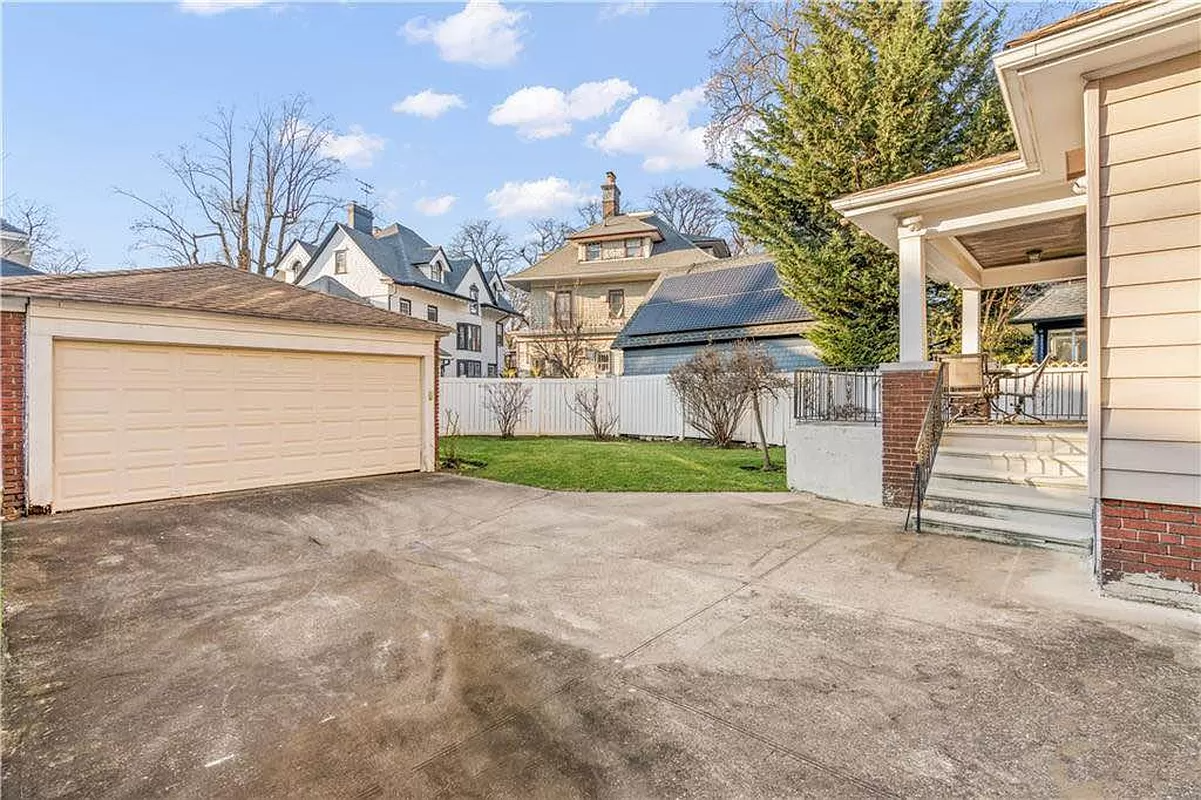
point(621, 225)
point(212, 288)
point(718, 304)
point(1066, 300)
point(328, 284)
point(8, 227)
point(673, 252)
point(1075, 21)
point(399, 253)
point(13, 269)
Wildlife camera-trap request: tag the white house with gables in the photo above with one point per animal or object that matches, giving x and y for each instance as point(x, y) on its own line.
point(395, 268)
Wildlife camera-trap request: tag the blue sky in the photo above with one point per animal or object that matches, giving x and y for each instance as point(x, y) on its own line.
point(91, 93)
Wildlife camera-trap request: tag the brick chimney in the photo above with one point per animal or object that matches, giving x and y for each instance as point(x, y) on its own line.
point(360, 218)
point(610, 197)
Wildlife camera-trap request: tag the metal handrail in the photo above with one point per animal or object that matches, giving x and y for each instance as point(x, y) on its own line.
point(926, 448)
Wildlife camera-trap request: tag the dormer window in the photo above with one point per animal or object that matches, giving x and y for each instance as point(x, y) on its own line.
point(474, 306)
point(436, 272)
point(592, 251)
point(633, 248)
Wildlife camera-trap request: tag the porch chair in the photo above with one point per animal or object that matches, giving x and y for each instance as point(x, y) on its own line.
point(966, 387)
point(1025, 388)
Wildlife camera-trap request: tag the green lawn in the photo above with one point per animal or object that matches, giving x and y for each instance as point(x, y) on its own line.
point(624, 465)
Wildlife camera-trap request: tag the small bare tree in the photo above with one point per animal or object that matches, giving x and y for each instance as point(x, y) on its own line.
point(546, 236)
point(45, 247)
point(598, 415)
point(761, 378)
point(247, 188)
point(565, 348)
point(713, 393)
point(448, 440)
point(589, 212)
point(509, 402)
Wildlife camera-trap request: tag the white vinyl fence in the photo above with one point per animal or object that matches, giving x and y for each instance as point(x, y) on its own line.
point(645, 405)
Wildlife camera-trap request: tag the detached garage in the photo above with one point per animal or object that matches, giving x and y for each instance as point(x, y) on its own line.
point(151, 384)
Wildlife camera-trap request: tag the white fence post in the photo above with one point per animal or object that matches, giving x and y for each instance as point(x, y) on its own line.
point(645, 405)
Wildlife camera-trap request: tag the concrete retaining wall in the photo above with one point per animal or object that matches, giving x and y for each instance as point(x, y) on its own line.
point(842, 461)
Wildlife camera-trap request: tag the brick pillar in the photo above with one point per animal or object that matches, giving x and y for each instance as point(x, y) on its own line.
point(1151, 539)
point(905, 391)
point(12, 411)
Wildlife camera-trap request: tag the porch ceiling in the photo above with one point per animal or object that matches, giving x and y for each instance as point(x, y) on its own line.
point(1056, 238)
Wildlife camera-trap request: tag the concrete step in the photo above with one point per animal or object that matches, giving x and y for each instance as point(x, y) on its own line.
point(1014, 505)
point(953, 459)
point(1017, 488)
point(1076, 538)
point(1058, 439)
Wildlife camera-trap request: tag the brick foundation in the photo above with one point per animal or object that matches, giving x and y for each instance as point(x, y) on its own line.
point(904, 395)
point(12, 411)
point(1151, 539)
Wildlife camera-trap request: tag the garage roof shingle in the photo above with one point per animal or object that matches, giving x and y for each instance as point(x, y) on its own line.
point(212, 288)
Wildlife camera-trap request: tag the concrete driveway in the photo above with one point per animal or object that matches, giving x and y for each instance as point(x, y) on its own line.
point(435, 635)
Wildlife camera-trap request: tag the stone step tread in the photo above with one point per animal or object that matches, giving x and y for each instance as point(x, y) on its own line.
point(1073, 507)
point(1017, 479)
point(1064, 535)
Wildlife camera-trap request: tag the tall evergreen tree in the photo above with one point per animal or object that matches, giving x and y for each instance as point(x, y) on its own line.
point(882, 90)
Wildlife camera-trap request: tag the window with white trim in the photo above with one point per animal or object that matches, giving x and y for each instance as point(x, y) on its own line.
point(339, 262)
point(468, 337)
point(474, 306)
point(467, 369)
point(404, 306)
point(431, 313)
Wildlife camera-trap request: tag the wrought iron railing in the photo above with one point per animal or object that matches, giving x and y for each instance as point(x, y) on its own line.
point(822, 394)
point(926, 449)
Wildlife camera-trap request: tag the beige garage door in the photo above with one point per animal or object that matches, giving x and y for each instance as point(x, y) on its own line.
point(140, 422)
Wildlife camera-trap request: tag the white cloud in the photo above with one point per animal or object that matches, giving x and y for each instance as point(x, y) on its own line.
point(660, 132)
point(428, 104)
point(356, 148)
point(207, 8)
point(484, 33)
point(635, 8)
point(541, 112)
point(435, 206)
point(535, 198)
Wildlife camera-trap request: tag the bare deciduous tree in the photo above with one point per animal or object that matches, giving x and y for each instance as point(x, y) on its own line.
point(761, 378)
point(590, 406)
point(488, 243)
point(714, 396)
point(509, 402)
point(247, 189)
point(49, 253)
point(546, 236)
point(589, 212)
point(448, 439)
point(565, 348)
point(689, 209)
point(750, 61)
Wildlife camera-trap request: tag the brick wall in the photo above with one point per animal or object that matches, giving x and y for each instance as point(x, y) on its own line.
point(12, 410)
point(904, 395)
point(1150, 538)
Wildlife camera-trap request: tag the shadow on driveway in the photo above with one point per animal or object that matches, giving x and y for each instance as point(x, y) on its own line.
point(424, 635)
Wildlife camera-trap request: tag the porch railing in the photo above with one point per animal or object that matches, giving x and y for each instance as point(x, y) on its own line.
point(1060, 396)
point(926, 449)
point(823, 394)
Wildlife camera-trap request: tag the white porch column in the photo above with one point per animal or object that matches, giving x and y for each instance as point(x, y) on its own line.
point(971, 321)
point(912, 251)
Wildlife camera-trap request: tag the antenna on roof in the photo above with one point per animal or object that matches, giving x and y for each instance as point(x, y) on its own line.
point(366, 188)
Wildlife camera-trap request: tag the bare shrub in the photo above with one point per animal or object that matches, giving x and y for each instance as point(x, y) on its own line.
point(509, 402)
point(714, 396)
point(761, 378)
point(448, 440)
point(596, 412)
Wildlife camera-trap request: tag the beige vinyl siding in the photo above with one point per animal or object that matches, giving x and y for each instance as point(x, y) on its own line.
point(1150, 298)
